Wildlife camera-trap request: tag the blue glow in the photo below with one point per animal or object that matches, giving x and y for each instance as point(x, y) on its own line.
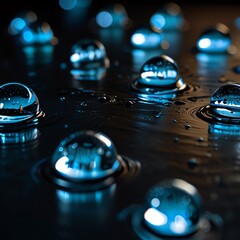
point(178, 209)
point(17, 103)
point(237, 22)
point(225, 101)
point(17, 25)
point(104, 19)
point(225, 129)
point(146, 39)
point(168, 18)
point(86, 155)
point(215, 40)
point(27, 36)
point(67, 4)
point(112, 16)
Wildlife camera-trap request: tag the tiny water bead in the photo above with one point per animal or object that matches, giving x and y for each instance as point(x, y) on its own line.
point(215, 40)
point(159, 78)
point(18, 103)
point(173, 208)
point(167, 18)
point(89, 59)
point(146, 38)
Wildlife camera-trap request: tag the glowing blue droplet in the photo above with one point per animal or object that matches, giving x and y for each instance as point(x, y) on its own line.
point(215, 40)
point(169, 17)
point(173, 208)
point(146, 39)
point(225, 101)
point(89, 59)
point(113, 15)
point(86, 155)
point(16, 25)
point(159, 71)
point(18, 103)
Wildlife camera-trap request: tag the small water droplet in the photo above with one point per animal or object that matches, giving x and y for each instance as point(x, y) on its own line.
point(146, 38)
point(129, 104)
point(174, 121)
point(173, 208)
point(84, 104)
point(225, 101)
point(63, 66)
point(200, 139)
point(192, 163)
point(176, 139)
point(89, 60)
point(157, 114)
point(215, 40)
point(169, 17)
point(62, 99)
point(26, 103)
point(77, 157)
point(187, 126)
point(236, 69)
point(104, 99)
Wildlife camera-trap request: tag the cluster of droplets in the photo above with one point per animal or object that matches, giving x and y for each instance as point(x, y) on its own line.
point(29, 30)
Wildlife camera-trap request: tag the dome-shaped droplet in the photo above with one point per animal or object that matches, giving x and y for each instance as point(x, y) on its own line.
point(159, 71)
point(89, 59)
point(86, 155)
point(167, 18)
point(225, 101)
point(17, 103)
point(146, 38)
point(173, 208)
point(215, 40)
point(112, 16)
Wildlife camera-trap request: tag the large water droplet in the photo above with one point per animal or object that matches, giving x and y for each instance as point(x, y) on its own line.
point(89, 59)
point(18, 103)
point(146, 38)
point(225, 101)
point(167, 18)
point(173, 208)
point(86, 155)
point(159, 78)
point(215, 40)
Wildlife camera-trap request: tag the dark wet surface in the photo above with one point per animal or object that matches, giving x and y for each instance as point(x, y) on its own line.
point(168, 138)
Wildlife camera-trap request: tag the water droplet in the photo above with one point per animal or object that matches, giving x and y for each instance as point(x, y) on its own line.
point(112, 16)
point(173, 208)
point(225, 101)
point(192, 163)
point(167, 18)
point(129, 104)
point(215, 40)
point(174, 121)
point(157, 114)
point(104, 99)
point(176, 139)
point(146, 38)
point(89, 60)
point(18, 103)
point(62, 98)
point(187, 126)
point(236, 69)
point(86, 155)
point(200, 139)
